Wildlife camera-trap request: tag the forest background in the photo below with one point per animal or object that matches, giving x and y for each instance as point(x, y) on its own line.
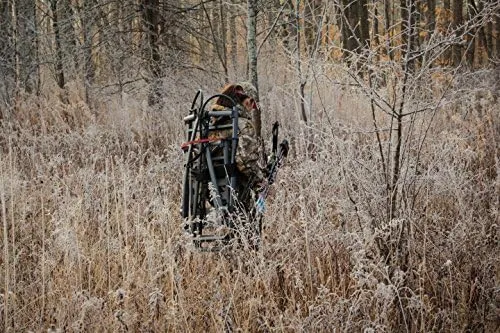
point(384, 218)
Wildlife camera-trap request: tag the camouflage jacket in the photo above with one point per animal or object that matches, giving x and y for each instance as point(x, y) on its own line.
point(250, 147)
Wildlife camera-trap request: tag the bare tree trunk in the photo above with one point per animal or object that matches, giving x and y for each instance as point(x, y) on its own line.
point(213, 20)
point(349, 27)
point(405, 27)
point(222, 32)
point(252, 57)
point(327, 35)
point(430, 17)
point(418, 15)
point(15, 41)
point(489, 39)
point(355, 26)
point(233, 41)
point(364, 24)
point(409, 34)
point(38, 79)
point(151, 18)
point(471, 40)
point(289, 26)
point(59, 67)
point(302, 82)
point(387, 26)
point(457, 22)
point(446, 22)
point(375, 32)
point(124, 27)
point(88, 63)
point(497, 34)
point(484, 39)
point(29, 47)
point(68, 34)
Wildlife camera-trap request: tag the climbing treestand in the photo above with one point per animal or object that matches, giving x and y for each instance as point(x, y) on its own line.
point(212, 208)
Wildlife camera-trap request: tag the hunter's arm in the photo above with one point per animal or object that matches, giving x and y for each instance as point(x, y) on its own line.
point(248, 154)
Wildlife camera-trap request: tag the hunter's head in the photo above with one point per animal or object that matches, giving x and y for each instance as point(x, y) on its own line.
point(235, 92)
point(250, 101)
point(242, 93)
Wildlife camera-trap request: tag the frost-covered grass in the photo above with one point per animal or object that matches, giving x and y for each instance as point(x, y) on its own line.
point(92, 238)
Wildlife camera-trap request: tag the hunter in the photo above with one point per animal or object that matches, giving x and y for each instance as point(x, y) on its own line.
point(250, 155)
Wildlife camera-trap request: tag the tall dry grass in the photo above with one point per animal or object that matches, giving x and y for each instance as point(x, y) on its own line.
point(92, 237)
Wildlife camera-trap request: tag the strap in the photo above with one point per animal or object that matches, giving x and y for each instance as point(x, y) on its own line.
point(185, 145)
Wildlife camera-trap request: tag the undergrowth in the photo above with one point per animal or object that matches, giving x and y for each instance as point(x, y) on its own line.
point(92, 237)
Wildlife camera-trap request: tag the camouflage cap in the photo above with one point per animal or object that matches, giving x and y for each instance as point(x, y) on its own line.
point(249, 89)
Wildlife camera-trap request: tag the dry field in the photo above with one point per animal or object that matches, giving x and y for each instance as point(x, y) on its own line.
point(91, 238)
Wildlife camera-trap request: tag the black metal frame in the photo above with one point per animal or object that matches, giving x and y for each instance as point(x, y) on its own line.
point(212, 161)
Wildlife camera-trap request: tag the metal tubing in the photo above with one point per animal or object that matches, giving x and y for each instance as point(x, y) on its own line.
point(234, 145)
point(220, 113)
